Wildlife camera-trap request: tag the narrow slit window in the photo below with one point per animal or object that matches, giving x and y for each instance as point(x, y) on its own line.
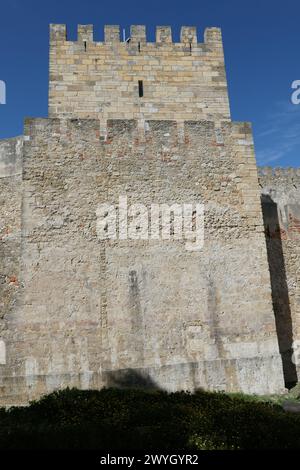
point(141, 88)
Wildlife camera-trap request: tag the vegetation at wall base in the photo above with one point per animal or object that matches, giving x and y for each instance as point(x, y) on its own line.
point(135, 419)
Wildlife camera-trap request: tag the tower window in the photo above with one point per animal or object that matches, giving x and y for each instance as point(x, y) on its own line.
point(141, 89)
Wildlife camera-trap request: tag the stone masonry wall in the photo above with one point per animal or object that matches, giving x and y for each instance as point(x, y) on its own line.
point(181, 81)
point(143, 312)
point(281, 206)
point(149, 121)
point(10, 229)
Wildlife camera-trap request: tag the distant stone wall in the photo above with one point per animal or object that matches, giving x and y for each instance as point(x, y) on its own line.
point(11, 157)
point(281, 206)
point(100, 80)
point(140, 312)
point(10, 232)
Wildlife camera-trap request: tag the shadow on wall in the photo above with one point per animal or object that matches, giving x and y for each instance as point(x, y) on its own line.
point(280, 294)
point(129, 378)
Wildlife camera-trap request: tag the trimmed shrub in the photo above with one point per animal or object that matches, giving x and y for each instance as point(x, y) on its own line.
point(134, 419)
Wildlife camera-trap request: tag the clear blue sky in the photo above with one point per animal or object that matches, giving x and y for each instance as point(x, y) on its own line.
point(262, 52)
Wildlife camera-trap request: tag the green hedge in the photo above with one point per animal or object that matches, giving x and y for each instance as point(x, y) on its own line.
point(134, 419)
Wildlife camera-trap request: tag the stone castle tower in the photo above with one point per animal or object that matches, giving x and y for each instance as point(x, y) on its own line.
point(149, 121)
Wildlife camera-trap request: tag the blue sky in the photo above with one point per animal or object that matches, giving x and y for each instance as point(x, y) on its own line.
point(261, 40)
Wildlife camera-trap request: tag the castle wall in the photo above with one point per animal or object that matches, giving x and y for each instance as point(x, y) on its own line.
point(181, 81)
point(10, 222)
point(78, 310)
point(145, 312)
point(10, 232)
point(281, 203)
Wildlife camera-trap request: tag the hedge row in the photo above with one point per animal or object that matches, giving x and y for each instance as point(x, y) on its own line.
point(134, 419)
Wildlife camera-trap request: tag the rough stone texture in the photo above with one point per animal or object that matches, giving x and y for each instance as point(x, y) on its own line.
point(92, 313)
point(11, 157)
point(10, 223)
point(281, 207)
point(80, 311)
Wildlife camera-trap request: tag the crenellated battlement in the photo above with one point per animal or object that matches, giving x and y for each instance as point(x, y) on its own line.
point(136, 79)
point(159, 132)
point(288, 173)
point(112, 34)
